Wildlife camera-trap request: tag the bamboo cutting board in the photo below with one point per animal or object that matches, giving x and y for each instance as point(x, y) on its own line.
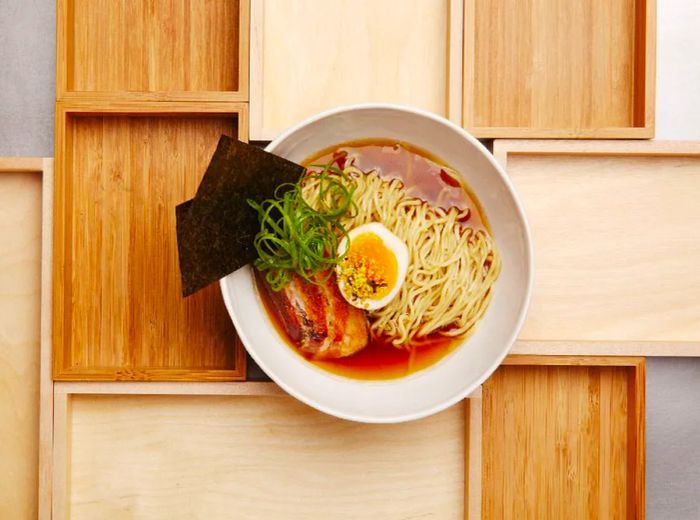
point(152, 51)
point(551, 68)
point(564, 438)
point(118, 308)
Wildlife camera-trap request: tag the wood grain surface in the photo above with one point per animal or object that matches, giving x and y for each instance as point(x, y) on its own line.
point(312, 55)
point(20, 285)
point(564, 441)
point(118, 310)
point(546, 68)
point(167, 46)
point(617, 243)
point(260, 457)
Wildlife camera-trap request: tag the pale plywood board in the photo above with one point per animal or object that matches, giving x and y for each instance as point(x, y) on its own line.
point(564, 439)
point(20, 335)
point(617, 245)
point(545, 68)
point(312, 55)
point(260, 456)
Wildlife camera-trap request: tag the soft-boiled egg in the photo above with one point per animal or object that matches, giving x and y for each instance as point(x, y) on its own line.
point(372, 267)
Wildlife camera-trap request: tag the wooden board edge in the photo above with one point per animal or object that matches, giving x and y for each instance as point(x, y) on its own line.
point(131, 106)
point(169, 388)
point(45, 365)
point(173, 375)
point(513, 132)
point(473, 455)
point(243, 91)
point(255, 93)
point(468, 64)
point(577, 360)
point(59, 238)
point(60, 456)
point(649, 39)
point(636, 466)
point(21, 164)
point(61, 47)
point(173, 96)
point(607, 348)
point(502, 148)
point(455, 62)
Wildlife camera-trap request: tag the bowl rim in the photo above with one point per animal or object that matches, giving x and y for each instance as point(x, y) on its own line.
point(522, 314)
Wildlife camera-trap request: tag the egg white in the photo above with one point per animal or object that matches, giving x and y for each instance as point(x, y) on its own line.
point(391, 242)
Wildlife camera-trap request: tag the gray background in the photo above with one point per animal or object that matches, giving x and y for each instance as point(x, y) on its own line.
point(27, 94)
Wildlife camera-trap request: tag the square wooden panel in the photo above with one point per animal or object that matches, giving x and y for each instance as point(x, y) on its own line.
point(312, 55)
point(564, 438)
point(550, 68)
point(251, 451)
point(118, 310)
point(617, 245)
point(153, 50)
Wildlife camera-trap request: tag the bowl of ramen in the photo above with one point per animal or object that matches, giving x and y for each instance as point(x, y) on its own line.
point(394, 277)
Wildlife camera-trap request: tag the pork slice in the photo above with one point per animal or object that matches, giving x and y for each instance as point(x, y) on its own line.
point(348, 328)
point(318, 319)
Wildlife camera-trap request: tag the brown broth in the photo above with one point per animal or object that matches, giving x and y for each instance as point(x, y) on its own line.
point(379, 360)
point(423, 174)
point(425, 178)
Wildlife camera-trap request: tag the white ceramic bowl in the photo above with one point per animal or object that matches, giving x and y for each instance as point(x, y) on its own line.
point(459, 373)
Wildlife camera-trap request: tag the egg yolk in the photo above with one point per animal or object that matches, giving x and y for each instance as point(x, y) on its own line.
point(369, 270)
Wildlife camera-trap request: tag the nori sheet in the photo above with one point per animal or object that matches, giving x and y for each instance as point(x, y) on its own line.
point(215, 229)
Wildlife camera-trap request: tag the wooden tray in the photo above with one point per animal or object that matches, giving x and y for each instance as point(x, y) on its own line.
point(560, 69)
point(118, 311)
point(25, 338)
point(311, 55)
point(617, 245)
point(152, 50)
point(248, 450)
point(563, 437)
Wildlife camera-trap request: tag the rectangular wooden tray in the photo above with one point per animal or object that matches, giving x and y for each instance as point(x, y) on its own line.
point(312, 55)
point(121, 168)
point(559, 69)
point(563, 437)
point(617, 245)
point(248, 450)
point(25, 337)
point(152, 50)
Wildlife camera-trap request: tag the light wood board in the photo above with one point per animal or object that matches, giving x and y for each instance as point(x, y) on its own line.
point(616, 233)
point(25, 380)
point(248, 450)
point(312, 55)
point(564, 438)
point(118, 309)
point(153, 50)
point(547, 68)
